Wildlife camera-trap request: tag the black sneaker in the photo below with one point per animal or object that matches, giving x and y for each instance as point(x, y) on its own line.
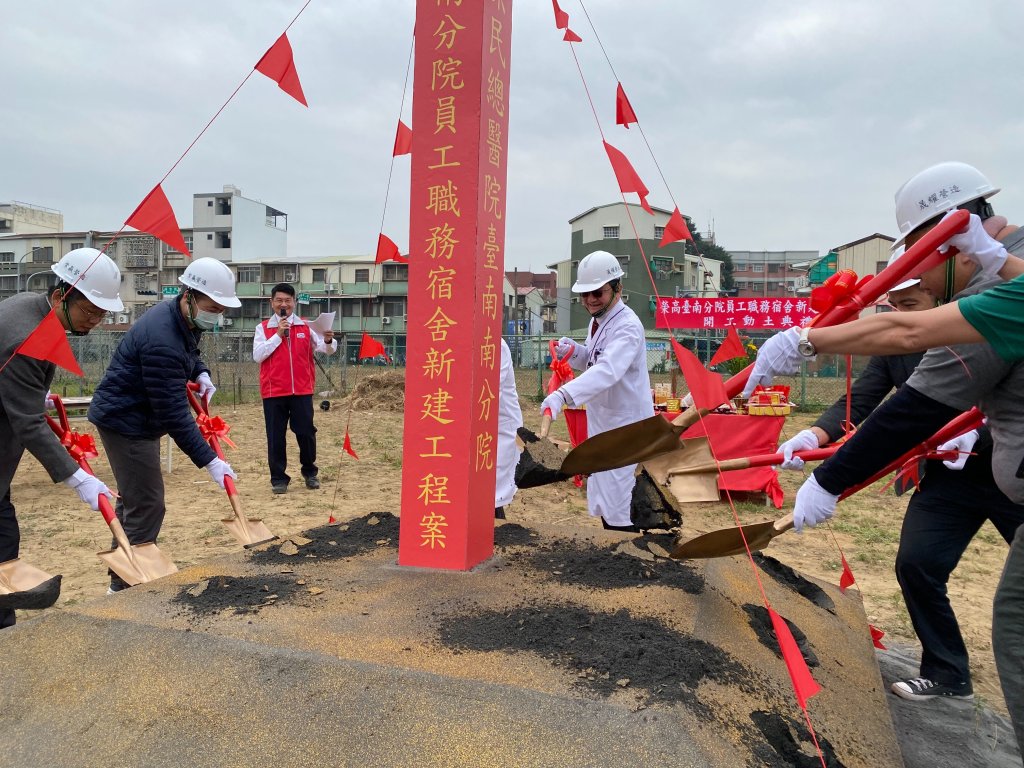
point(281, 488)
point(922, 689)
point(312, 482)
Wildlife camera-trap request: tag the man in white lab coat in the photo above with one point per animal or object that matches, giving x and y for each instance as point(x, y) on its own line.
point(510, 419)
point(614, 386)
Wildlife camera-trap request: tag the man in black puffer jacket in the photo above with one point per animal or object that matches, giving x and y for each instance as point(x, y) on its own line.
point(142, 398)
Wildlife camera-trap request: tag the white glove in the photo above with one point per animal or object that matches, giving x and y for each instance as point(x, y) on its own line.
point(218, 469)
point(977, 245)
point(687, 401)
point(49, 403)
point(88, 488)
point(205, 386)
point(802, 441)
point(813, 505)
point(555, 402)
point(962, 443)
point(777, 357)
point(564, 346)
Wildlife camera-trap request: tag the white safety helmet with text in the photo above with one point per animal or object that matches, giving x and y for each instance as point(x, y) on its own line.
point(213, 278)
point(94, 275)
point(596, 269)
point(906, 283)
point(936, 190)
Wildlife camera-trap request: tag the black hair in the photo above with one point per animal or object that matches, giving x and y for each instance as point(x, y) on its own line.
point(283, 288)
point(616, 285)
point(68, 293)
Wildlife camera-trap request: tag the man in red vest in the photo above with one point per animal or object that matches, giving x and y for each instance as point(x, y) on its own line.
point(283, 345)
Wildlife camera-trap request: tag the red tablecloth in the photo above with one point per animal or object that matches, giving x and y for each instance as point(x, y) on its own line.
point(734, 436)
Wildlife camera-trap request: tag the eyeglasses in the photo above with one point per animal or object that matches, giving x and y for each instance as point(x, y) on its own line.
point(93, 315)
point(597, 294)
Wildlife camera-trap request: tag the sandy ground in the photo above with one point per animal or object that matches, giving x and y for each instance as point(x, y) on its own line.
point(60, 535)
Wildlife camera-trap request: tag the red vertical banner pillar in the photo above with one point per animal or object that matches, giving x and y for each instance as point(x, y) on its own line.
point(456, 269)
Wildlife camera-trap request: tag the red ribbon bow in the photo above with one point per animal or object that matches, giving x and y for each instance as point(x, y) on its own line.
point(79, 445)
point(560, 368)
point(837, 289)
point(213, 427)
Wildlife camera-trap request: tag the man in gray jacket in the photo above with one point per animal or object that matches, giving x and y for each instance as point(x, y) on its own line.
point(25, 381)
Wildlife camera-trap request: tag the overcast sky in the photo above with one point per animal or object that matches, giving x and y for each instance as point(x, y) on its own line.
point(787, 124)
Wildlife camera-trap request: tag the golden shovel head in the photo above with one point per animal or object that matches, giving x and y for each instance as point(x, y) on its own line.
point(26, 587)
point(683, 488)
point(145, 563)
point(729, 541)
point(248, 531)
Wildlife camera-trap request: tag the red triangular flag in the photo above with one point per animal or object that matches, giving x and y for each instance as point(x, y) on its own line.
point(49, 342)
point(403, 140)
point(675, 230)
point(279, 65)
point(155, 216)
point(388, 251)
point(369, 347)
point(731, 348)
point(624, 114)
point(846, 580)
point(626, 176)
point(571, 37)
point(561, 17)
point(804, 685)
point(347, 446)
point(331, 520)
point(876, 637)
point(707, 388)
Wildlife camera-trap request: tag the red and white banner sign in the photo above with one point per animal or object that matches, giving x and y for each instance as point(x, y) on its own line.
point(733, 313)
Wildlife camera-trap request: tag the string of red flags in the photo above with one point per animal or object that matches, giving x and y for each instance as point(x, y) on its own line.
point(804, 684)
point(278, 63)
point(729, 349)
point(403, 140)
point(627, 177)
point(707, 388)
point(370, 348)
point(624, 114)
point(388, 251)
point(846, 580)
point(571, 37)
point(49, 342)
point(876, 637)
point(347, 445)
point(156, 217)
point(676, 230)
point(561, 17)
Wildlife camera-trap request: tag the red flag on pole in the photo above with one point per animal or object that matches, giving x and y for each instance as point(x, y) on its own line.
point(347, 446)
point(624, 114)
point(279, 65)
point(155, 216)
point(571, 37)
point(369, 348)
point(561, 17)
point(804, 685)
point(707, 388)
point(388, 251)
point(675, 230)
point(730, 348)
point(626, 176)
point(846, 579)
point(403, 140)
point(49, 342)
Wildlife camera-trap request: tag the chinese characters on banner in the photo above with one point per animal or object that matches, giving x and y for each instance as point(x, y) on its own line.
point(733, 313)
point(456, 268)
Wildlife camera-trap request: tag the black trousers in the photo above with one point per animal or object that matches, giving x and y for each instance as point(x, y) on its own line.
point(278, 413)
point(942, 518)
point(10, 541)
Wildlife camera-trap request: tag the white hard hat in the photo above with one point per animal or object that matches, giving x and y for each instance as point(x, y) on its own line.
point(906, 283)
point(935, 191)
point(94, 274)
point(596, 269)
point(212, 277)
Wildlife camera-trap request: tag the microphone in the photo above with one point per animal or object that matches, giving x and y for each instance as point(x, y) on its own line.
point(284, 315)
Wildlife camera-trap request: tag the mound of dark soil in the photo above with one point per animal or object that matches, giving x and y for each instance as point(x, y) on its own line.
point(332, 542)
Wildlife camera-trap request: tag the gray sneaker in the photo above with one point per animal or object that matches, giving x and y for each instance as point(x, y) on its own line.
point(279, 488)
point(922, 689)
point(312, 482)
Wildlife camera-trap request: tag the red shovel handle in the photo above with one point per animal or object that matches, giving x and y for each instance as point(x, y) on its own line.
point(921, 254)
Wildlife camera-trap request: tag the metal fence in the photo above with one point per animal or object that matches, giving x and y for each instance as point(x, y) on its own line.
point(229, 356)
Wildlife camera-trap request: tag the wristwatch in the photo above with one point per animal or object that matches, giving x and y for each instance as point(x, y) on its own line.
point(804, 346)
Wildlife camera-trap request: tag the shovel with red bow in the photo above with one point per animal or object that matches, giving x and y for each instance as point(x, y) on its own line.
point(249, 531)
point(135, 563)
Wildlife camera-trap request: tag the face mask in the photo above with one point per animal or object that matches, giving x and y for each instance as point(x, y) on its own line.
point(207, 321)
